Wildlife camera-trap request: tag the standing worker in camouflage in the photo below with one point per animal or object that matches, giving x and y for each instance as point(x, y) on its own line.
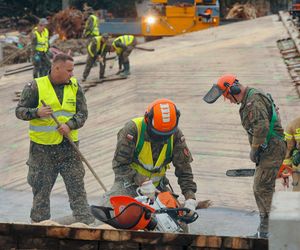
point(97, 49)
point(291, 163)
point(50, 152)
point(145, 148)
point(91, 28)
point(123, 46)
point(40, 49)
point(260, 118)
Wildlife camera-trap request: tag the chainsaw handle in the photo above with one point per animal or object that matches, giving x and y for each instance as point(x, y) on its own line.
point(173, 212)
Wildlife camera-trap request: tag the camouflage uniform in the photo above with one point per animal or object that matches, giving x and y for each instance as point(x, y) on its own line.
point(126, 51)
point(256, 113)
point(47, 161)
point(40, 60)
point(91, 59)
point(127, 180)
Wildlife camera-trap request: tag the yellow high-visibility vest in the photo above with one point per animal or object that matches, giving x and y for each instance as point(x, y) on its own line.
point(143, 159)
point(95, 29)
point(126, 40)
point(42, 40)
point(44, 130)
point(98, 43)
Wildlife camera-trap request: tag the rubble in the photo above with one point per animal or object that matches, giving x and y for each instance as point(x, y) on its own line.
point(242, 11)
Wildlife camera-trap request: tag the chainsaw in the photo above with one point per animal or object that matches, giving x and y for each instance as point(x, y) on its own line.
point(161, 214)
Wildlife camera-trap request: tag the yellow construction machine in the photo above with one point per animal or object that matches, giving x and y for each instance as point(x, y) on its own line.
point(167, 18)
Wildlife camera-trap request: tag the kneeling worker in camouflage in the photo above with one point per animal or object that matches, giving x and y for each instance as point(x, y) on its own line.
point(97, 49)
point(145, 148)
point(50, 152)
point(260, 118)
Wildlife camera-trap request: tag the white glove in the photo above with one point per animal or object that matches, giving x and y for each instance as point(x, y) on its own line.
point(190, 204)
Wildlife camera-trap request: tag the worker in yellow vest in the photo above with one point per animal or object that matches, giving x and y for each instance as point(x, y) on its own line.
point(291, 162)
point(146, 147)
point(123, 46)
point(40, 49)
point(50, 152)
point(91, 28)
point(96, 51)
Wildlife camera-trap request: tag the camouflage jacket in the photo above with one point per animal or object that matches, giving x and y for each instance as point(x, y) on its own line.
point(27, 106)
point(256, 114)
point(181, 157)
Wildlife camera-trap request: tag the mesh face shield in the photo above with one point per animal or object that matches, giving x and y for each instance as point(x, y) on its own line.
point(213, 94)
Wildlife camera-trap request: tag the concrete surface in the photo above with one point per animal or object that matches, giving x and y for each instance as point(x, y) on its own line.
point(285, 221)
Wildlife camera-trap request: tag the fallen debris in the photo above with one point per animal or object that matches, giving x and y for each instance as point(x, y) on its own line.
point(242, 11)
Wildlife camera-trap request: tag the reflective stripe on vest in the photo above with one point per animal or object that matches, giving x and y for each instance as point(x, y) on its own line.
point(42, 40)
point(44, 130)
point(143, 162)
point(126, 40)
point(98, 43)
point(95, 28)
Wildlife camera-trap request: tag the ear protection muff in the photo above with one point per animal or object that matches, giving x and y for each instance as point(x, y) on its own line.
point(234, 89)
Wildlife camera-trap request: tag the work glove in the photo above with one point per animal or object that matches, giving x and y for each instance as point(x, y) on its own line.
point(296, 157)
point(101, 60)
point(190, 204)
point(36, 58)
point(253, 154)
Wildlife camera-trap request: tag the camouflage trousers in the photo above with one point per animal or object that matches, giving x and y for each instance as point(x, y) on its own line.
point(296, 182)
point(41, 64)
point(45, 163)
point(90, 63)
point(265, 177)
point(124, 56)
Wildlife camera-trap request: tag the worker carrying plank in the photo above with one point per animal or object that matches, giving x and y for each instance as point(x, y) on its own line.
point(123, 46)
point(260, 118)
point(50, 152)
point(145, 148)
point(97, 50)
point(40, 49)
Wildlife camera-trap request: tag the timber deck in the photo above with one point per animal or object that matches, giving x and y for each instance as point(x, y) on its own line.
point(182, 68)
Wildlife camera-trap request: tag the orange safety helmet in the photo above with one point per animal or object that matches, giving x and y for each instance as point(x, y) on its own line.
point(162, 117)
point(226, 84)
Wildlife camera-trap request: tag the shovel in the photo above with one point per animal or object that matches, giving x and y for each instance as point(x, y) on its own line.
point(78, 152)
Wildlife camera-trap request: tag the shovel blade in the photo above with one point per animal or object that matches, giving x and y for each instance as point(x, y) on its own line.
point(241, 172)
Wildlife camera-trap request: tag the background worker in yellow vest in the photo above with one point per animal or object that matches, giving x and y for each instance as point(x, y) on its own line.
point(96, 51)
point(146, 146)
point(50, 152)
point(91, 28)
point(123, 46)
point(292, 156)
point(40, 49)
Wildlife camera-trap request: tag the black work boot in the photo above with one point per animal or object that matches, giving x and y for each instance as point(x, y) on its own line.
point(126, 71)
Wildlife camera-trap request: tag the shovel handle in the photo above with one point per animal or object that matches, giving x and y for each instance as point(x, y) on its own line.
point(78, 152)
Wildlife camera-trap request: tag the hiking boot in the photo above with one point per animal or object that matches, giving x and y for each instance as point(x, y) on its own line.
point(83, 79)
point(125, 73)
point(102, 77)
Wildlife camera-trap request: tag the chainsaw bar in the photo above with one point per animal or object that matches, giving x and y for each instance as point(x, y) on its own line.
point(241, 172)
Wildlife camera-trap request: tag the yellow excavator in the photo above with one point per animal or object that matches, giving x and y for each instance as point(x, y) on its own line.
point(167, 18)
